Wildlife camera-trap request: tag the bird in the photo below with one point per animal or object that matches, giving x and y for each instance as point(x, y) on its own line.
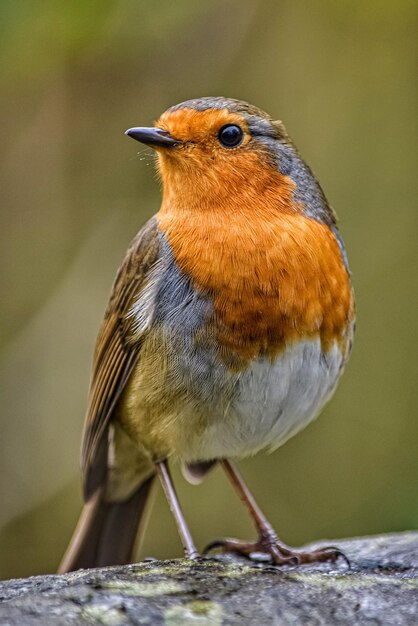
point(228, 327)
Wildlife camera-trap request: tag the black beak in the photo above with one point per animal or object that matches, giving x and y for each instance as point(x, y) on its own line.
point(152, 137)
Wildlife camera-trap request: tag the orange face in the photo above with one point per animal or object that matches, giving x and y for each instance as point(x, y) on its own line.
point(199, 131)
point(208, 174)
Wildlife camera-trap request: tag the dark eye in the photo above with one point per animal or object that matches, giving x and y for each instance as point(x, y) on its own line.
point(230, 135)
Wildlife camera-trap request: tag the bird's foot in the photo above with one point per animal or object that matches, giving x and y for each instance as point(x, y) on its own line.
point(279, 554)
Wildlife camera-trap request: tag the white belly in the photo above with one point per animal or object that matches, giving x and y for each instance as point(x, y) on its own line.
point(272, 401)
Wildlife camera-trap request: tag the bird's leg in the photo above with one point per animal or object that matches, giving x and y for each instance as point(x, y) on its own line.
point(268, 541)
point(164, 475)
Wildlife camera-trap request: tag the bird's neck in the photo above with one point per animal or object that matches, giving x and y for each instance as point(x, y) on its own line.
point(194, 185)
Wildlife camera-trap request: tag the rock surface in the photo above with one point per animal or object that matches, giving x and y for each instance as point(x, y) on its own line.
point(381, 587)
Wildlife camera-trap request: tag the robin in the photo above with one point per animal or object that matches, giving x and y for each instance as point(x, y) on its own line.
point(228, 326)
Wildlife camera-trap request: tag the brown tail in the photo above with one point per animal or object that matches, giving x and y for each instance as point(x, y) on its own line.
point(106, 531)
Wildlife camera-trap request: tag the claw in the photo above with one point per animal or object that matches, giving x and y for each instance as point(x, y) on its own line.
point(216, 543)
point(231, 545)
point(279, 554)
point(335, 554)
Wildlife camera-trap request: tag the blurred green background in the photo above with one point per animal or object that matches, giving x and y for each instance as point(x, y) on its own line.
point(74, 76)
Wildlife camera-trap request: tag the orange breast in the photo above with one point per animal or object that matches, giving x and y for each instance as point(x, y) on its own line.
point(275, 276)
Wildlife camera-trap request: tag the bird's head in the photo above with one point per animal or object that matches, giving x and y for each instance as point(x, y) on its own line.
point(212, 149)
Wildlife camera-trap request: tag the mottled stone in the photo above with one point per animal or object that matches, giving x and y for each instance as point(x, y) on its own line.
point(381, 587)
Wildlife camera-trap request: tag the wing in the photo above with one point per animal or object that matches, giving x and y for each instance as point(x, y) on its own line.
point(115, 354)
